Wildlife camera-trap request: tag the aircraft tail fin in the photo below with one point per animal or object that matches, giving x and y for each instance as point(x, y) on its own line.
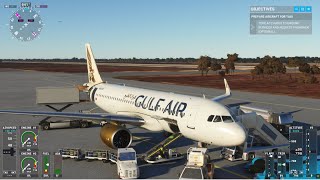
point(93, 73)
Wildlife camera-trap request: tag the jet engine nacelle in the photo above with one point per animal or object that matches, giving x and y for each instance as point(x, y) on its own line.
point(115, 136)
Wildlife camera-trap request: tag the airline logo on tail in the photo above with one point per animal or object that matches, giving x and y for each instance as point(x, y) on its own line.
point(93, 73)
point(90, 69)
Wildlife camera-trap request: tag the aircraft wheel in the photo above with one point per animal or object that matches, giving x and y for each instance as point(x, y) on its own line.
point(84, 125)
point(46, 126)
point(251, 156)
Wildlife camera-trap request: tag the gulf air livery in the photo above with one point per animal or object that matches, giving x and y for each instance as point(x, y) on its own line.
point(203, 120)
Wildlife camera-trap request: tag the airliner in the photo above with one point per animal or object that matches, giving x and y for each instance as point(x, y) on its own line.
point(200, 119)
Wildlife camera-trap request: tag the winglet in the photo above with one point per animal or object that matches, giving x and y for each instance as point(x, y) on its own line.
point(228, 91)
point(224, 96)
point(93, 73)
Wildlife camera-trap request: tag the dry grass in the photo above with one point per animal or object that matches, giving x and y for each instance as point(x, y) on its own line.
point(272, 84)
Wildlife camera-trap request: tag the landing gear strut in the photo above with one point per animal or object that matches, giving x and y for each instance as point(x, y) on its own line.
point(202, 145)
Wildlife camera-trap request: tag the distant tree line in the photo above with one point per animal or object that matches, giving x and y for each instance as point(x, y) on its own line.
point(206, 63)
point(180, 60)
point(116, 60)
point(269, 66)
point(307, 70)
point(273, 65)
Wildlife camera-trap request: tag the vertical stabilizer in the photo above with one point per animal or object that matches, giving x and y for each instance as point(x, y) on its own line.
point(93, 73)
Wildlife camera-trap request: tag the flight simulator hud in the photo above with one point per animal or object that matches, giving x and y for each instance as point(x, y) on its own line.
point(166, 89)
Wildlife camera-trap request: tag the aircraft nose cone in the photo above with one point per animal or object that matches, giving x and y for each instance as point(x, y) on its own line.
point(242, 135)
point(230, 134)
point(238, 135)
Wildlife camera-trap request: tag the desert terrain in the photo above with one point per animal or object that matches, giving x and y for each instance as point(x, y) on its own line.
point(188, 75)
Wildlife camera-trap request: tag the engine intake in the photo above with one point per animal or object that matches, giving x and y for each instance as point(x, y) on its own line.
point(115, 136)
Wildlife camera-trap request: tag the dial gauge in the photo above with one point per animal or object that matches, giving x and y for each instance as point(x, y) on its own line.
point(25, 24)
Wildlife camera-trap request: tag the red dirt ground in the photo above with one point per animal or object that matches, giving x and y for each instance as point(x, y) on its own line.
point(242, 82)
point(81, 68)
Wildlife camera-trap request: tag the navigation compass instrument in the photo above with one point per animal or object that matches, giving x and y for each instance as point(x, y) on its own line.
point(25, 24)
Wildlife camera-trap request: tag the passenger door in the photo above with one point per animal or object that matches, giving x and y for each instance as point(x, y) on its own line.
point(192, 121)
point(188, 125)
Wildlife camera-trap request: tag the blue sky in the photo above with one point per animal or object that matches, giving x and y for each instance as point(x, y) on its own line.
point(154, 28)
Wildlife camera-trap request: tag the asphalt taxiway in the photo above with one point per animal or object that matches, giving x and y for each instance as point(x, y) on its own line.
point(18, 92)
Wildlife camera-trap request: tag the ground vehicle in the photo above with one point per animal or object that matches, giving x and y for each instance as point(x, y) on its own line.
point(168, 155)
point(74, 153)
point(46, 125)
point(125, 158)
point(97, 155)
point(198, 166)
point(127, 166)
point(249, 150)
point(261, 137)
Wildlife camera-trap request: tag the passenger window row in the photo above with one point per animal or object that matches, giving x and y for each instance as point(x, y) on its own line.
point(116, 99)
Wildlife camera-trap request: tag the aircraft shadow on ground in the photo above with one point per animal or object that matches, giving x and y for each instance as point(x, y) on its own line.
point(216, 159)
point(221, 173)
point(152, 170)
point(156, 138)
point(96, 125)
point(214, 149)
point(144, 145)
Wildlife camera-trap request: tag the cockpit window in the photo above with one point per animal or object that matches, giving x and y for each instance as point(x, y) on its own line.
point(217, 119)
point(227, 119)
point(234, 117)
point(210, 118)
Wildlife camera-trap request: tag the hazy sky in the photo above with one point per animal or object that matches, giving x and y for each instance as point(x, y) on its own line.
point(154, 28)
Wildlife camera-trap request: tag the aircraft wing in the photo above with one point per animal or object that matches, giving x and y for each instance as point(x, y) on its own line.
point(92, 116)
point(237, 104)
point(224, 96)
point(291, 112)
point(265, 148)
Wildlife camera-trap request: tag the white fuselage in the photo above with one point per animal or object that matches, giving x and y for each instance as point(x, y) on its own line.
point(170, 112)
